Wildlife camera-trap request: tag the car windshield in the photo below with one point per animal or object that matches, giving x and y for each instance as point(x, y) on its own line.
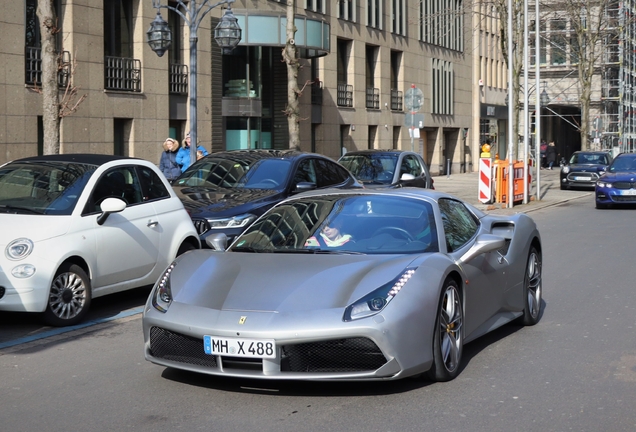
point(588, 158)
point(357, 224)
point(371, 168)
point(622, 164)
point(42, 187)
point(236, 173)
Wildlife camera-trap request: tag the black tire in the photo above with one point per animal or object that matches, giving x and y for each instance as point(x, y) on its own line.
point(69, 296)
point(185, 247)
point(532, 289)
point(601, 206)
point(563, 187)
point(448, 339)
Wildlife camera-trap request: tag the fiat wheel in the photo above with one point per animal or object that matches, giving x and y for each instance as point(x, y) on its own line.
point(69, 296)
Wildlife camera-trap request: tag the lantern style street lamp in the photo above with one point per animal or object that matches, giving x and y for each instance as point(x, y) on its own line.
point(227, 34)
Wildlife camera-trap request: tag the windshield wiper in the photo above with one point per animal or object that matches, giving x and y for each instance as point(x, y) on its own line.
point(10, 208)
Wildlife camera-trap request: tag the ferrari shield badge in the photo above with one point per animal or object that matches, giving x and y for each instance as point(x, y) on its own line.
point(242, 320)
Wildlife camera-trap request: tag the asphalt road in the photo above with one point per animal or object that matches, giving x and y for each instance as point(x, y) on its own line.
point(574, 371)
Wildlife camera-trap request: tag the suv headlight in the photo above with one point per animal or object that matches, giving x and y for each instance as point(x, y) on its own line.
point(603, 184)
point(19, 249)
point(377, 300)
point(233, 222)
point(161, 296)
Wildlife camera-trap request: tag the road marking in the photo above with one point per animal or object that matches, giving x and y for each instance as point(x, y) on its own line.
point(62, 330)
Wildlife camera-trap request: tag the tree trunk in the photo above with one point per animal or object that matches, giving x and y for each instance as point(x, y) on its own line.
point(50, 96)
point(290, 55)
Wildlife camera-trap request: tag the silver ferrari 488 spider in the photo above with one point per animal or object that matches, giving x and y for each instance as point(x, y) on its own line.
point(347, 285)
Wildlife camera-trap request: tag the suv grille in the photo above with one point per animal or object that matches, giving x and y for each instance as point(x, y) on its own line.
point(201, 225)
point(625, 185)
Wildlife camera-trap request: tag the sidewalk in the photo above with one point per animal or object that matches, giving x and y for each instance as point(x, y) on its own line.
point(465, 186)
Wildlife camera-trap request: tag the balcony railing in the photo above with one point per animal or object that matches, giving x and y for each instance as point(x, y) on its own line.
point(316, 93)
point(373, 98)
point(345, 95)
point(178, 79)
point(33, 67)
point(123, 74)
point(396, 100)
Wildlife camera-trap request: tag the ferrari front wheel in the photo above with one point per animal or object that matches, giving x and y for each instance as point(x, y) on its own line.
point(532, 287)
point(448, 335)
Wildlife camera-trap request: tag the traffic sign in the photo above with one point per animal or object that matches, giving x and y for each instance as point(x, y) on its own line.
point(413, 99)
point(413, 119)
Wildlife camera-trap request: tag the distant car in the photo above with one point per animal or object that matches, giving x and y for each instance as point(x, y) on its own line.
point(79, 226)
point(618, 185)
point(388, 168)
point(584, 168)
point(415, 276)
point(226, 191)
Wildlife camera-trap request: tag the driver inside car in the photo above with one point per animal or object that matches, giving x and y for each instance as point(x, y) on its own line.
point(330, 236)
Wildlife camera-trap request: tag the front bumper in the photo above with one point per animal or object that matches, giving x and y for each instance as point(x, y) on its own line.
point(369, 349)
point(579, 179)
point(615, 196)
point(24, 294)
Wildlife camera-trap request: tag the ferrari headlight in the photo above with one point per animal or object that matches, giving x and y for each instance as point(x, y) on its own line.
point(162, 294)
point(377, 300)
point(565, 169)
point(19, 249)
point(233, 222)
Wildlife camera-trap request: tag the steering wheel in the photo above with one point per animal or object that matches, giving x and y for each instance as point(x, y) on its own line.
point(402, 233)
point(272, 182)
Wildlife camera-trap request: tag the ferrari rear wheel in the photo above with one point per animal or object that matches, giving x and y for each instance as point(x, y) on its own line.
point(532, 288)
point(448, 341)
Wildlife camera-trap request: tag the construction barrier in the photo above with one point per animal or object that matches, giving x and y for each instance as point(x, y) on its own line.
point(485, 180)
point(501, 181)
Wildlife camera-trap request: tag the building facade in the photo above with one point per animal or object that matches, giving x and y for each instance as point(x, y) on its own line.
point(360, 63)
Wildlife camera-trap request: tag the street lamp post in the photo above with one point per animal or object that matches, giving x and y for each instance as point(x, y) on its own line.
point(227, 34)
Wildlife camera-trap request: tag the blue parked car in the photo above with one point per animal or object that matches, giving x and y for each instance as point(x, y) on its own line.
point(618, 185)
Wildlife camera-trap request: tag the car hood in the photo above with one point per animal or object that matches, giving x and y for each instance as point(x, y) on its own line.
point(34, 227)
point(623, 175)
point(235, 281)
point(587, 167)
point(224, 202)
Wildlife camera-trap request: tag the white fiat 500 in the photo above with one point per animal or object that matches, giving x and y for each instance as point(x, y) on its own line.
point(79, 226)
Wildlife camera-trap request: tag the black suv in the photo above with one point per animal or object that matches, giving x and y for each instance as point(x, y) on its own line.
point(584, 168)
point(225, 192)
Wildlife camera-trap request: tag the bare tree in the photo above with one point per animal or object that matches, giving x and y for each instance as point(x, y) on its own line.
point(50, 96)
point(290, 57)
point(590, 24)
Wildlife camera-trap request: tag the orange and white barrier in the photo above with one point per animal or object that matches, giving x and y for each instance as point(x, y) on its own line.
point(485, 180)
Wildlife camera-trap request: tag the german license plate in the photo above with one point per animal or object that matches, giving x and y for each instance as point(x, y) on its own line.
point(629, 192)
point(581, 178)
point(239, 347)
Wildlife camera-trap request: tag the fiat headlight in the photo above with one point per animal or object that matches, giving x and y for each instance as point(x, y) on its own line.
point(233, 222)
point(162, 293)
point(19, 249)
point(377, 300)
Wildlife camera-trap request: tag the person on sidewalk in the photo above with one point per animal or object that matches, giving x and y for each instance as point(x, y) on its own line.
point(183, 155)
point(551, 154)
point(543, 149)
point(168, 162)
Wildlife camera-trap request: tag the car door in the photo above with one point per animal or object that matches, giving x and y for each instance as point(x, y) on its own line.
point(487, 283)
point(330, 174)
point(411, 165)
point(128, 241)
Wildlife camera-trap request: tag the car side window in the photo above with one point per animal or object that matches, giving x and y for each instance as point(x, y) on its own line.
point(410, 165)
point(305, 172)
point(460, 225)
point(329, 173)
point(120, 182)
point(151, 185)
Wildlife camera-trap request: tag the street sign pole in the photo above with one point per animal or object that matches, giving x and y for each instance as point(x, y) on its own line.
point(413, 103)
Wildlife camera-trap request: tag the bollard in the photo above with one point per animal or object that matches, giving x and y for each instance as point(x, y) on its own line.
point(447, 168)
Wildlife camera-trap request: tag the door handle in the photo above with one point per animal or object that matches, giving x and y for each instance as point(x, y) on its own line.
point(152, 223)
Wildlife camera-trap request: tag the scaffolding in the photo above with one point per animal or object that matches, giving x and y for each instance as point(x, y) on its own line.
point(627, 74)
point(608, 130)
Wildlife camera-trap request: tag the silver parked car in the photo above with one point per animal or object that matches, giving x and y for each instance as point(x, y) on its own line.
point(347, 285)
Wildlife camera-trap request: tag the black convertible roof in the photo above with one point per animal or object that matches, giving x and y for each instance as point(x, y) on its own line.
point(81, 158)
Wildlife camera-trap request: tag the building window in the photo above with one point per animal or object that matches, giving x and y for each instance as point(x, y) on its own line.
point(33, 48)
point(241, 72)
point(373, 93)
point(347, 10)
point(118, 20)
point(345, 91)
point(558, 41)
point(442, 23)
point(316, 6)
point(373, 132)
point(374, 13)
point(398, 17)
point(396, 95)
point(442, 87)
point(396, 137)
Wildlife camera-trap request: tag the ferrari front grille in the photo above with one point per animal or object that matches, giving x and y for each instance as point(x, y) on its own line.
point(177, 347)
point(341, 355)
